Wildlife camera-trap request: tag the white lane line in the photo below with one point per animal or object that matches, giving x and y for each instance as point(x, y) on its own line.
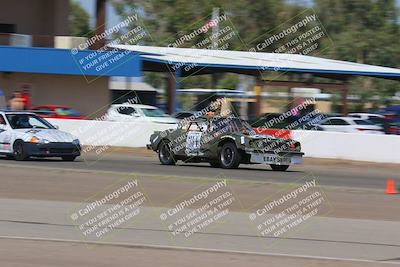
point(135, 245)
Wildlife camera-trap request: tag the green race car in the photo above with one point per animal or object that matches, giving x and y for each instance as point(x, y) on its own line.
point(224, 142)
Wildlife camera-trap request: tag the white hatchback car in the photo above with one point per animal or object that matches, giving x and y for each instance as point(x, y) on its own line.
point(24, 134)
point(138, 113)
point(349, 125)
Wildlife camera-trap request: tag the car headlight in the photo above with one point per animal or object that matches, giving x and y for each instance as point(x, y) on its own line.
point(34, 140)
point(37, 140)
point(298, 146)
point(251, 143)
point(76, 142)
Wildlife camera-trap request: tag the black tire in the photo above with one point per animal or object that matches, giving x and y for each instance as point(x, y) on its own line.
point(165, 155)
point(229, 156)
point(215, 164)
point(280, 168)
point(68, 158)
point(20, 151)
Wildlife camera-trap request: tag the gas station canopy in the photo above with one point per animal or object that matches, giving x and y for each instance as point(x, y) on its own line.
point(181, 62)
point(191, 61)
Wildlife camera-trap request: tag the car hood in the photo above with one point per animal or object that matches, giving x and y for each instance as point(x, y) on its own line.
point(52, 135)
point(264, 136)
point(168, 120)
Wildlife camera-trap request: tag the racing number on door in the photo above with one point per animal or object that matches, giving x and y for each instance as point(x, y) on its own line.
point(193, 143)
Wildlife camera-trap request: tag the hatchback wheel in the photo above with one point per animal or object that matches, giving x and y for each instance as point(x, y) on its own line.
point(20, 151)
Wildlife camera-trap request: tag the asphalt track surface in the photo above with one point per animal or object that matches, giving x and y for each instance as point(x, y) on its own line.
point(341, 174)
point(37, 197)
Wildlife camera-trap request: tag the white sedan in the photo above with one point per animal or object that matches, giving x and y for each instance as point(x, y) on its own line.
point(138, 113)
point(349, 125)
point(24, 134)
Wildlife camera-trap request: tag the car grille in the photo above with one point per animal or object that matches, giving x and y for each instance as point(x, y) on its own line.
point(62, 150)
point(271, 145)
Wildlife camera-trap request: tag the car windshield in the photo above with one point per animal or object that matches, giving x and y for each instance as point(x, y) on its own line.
point(234, 125)
point(153, 112)
point(28, 121)
point(377, 120)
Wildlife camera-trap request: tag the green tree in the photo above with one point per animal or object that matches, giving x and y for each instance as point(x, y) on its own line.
point(78, 20)
point(363, 31)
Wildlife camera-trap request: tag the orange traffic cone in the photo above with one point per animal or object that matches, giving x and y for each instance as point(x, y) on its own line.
point(390, 188)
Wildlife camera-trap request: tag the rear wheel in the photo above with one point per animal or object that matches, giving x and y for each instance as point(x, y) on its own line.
point(165, 155)
point(20, 151)
point(68, 158)
point(281, 168)
point(229, 157)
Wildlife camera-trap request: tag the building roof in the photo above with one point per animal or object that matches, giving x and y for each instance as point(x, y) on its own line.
point(202, 61)
point(203, 91)
point(69, 62)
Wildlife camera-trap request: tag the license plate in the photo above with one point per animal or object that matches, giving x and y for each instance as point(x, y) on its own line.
point(270, 159)
point(277, 159)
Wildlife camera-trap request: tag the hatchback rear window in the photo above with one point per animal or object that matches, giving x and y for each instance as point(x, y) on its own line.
point(363, 122)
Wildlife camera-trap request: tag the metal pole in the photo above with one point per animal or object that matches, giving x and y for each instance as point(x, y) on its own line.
point(215, 30)
point(172, 86)
point(257, 93)
point(345, 92)
point(214, 42)
point(100, 23)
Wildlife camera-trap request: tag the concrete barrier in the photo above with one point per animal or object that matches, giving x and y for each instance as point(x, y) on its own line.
point(350, 146)
point(109, 133)
point(318, 144)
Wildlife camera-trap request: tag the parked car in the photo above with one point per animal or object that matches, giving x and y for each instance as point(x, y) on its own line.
point(57, 112)
point(278, 121)
point(350, 125)
point(374, 118)
point(387, 124)
point(224, 143)
point(24, 135)
point(139, 113)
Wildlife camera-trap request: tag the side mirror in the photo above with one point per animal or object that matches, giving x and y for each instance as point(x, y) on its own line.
point(3, 127)
point(135, 115)
point(56, 126)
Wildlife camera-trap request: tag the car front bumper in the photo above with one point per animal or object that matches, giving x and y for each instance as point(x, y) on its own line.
point(281, 158)
point(53, 149)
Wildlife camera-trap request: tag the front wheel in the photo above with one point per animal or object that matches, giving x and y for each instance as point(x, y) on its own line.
point(229, 157)
point(20, 153)
point(165, 155)
point(280, 168)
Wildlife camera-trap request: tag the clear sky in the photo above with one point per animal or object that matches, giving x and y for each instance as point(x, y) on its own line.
point(89, 6)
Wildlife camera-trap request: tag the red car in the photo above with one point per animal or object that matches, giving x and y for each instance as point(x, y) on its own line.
point(57, 112)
